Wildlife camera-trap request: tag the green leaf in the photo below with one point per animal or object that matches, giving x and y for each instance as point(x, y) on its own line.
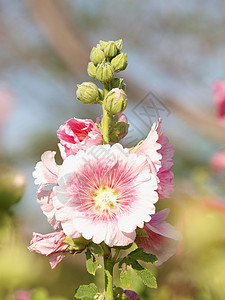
point(144, 274)
point(86, 292)
point(139, 254)
point(96, 249)
point(91, 263)
point(125, 277)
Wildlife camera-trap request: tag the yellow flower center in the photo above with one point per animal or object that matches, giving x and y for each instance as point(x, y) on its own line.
point(105, 198)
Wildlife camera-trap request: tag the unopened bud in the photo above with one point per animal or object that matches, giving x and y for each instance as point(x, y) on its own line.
point(119, 62)
point(115, 101)
point(91, 70)
point(118, 83)
point(76, 245)
point(110, 49)
point(119, 45)
point(102, 45)
point(97, 56)
point(104, 72)
point(118, 131)
point(87, 92)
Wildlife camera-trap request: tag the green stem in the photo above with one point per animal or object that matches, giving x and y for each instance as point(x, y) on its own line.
point(106, 118)
point(108, 268)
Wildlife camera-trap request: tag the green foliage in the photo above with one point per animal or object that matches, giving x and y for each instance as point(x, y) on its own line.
point(125, 276)
point(131, 260)
point(96, 249)
point(91, 263)
point(139, 254)
point(86, 292)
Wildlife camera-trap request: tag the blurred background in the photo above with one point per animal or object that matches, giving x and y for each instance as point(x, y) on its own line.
point(175, 52)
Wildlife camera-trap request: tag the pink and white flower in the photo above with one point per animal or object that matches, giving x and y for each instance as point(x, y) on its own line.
point(78, 134)
point(162, 237)
point(46, 175)
point(159, 153)
point(219, 98)
point(104, 193)
point(51, 245)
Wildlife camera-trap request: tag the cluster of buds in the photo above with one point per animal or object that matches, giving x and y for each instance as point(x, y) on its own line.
point(106, 60)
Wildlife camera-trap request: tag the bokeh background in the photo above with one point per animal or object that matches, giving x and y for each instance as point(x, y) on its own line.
point(176, 50)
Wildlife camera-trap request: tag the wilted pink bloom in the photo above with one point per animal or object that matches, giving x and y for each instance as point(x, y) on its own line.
point(46, 175)
point(217, 161)
point(51, 245)
point(104, 193)
point(162, 237)
point(159, 153)
point(23, 295)
point(78, 134)
point(131, 295)
point(122, 118)
point(219, 98)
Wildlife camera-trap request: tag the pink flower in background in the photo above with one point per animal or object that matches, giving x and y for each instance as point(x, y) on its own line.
point(51, 245)
point(23, 295)
point(104, 193)
point(162, 237)
point(131, 295)
point(217, 161)
point(46, 175)
point(159, 153)
point(78, 134)
point(219, 98)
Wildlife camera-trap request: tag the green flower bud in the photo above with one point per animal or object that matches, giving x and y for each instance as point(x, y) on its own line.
point(115, 101)
point(87, 92)
point(118, 132)
point(76, 245)
point(104, 72)
point(102, 44)
point(118, 83)
point(91, 70)
point(97, 56)
point(119, 45)
point(110, 49)
point(119, 62)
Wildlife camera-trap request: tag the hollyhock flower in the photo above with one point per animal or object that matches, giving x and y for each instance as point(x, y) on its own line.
point(159, 153)
point(51, 245)
point(131, 295)
point(46, 175)
point(77, 134)
point(217, 161)
point(219, 98)
point(162, 237)
point(104, 193)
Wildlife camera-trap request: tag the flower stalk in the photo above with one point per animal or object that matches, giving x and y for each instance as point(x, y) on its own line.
point(106, 118)
point(108, 269)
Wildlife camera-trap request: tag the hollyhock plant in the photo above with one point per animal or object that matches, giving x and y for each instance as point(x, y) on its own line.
point(101, 199)
point(77, 134)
